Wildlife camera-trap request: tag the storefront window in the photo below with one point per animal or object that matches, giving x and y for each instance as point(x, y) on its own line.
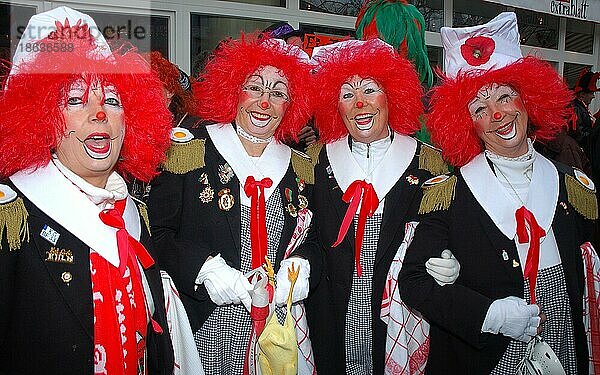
point(580, 36)
point(341, 7)
point(13, 20)
point(433, 12)
point(538, 29)
point(466, 14)
point(146, 33)
point(571, 73)
point(208, 31)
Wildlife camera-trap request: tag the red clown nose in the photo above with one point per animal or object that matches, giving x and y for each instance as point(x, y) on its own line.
point(101, 115)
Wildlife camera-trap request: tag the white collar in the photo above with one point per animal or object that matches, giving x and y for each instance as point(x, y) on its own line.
point(273, 163)
point(384, 176)
point(56, 196)
point(116, 188)
point(499, 204)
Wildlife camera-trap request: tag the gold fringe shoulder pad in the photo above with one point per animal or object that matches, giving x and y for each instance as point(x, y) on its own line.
point(581, 193)
point(430, 159)
point(185, 154)
point(314, 150)
point(438, 193)
point(13, 219)
point(303, 166)
point(143, 210)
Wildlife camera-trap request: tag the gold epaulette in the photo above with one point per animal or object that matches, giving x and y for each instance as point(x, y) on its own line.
point(430, 159)
point(581, 194)
point(183, 157)
point(438, 193)
point(143, 210)
point(13, 218)
point(313, 151)
point(303, 166)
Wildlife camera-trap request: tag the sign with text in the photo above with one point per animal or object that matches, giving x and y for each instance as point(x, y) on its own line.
point(585, 10)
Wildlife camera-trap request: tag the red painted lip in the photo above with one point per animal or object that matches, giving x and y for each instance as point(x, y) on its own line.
point(98, 142)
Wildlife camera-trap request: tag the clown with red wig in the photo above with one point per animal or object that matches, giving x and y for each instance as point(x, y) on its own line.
point(232, 194)
point(80, 293)
point(366, 195)
point(526, 300)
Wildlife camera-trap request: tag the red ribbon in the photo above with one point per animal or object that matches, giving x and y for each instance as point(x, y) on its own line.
point(358, 191)
point(255, 190)
point(528, 230)
point(129, 248)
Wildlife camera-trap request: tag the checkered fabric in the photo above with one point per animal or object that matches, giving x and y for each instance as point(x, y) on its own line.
point(552, 297)
point(359, 336)
point(223, 338)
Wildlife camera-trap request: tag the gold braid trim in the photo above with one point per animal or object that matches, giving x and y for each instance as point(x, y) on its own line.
point(185, 157)
point(313, 151)
point(431, 160)
point(303, 167)
point(581, 198)
point(439, 196)
point(13, 219)
point(144, 214)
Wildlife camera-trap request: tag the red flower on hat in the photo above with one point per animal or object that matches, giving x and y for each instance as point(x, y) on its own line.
point(477, 50)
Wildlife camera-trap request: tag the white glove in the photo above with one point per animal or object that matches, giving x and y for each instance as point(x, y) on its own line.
point(225, 285)
point(444, 270)
point(283, 283)
point(512, 317)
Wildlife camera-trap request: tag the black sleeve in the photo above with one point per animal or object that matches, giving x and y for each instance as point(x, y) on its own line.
point(455, 307)
point(8, 268)
point(180, 248)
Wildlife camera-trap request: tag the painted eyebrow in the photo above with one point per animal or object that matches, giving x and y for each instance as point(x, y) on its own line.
point(280, 82)
point(255, 76)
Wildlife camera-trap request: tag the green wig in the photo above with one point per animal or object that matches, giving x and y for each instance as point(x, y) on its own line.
point(401, 25)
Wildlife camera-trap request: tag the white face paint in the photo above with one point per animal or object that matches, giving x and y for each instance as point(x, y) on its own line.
point(95, 130)
point(263, 102)
point(500, 119)
point(364, 109)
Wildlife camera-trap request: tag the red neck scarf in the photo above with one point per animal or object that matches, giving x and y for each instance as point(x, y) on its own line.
point(358, 191)
point(255, 190)
point(528, 230)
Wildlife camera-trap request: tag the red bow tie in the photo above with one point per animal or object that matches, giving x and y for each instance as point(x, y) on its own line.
point(358, 191)
point(528, 230)
point(255, 190)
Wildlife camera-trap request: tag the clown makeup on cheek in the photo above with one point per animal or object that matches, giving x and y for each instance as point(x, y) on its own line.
point(500, 120)
point(364, 109)
point(94, 130)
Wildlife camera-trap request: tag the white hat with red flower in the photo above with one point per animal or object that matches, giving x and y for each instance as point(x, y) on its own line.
point(490, 46)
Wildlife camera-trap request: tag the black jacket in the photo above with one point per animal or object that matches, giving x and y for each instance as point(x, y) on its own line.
point(46, 324)
point(332, 268)
point(456, 312)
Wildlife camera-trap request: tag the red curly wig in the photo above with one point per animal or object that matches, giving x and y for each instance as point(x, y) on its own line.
point(374, 60)
point(32, 124)
point(219, 86)
point(546, 98)
point(168, 73)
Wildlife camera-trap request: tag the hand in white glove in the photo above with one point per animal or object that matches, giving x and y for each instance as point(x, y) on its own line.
point(283, 285)
point(512, 317)
point(225, 285)
point(444, 270)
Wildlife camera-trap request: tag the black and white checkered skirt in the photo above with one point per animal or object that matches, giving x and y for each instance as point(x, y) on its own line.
point(223, 338)
point(359, 338)
point(552, 297)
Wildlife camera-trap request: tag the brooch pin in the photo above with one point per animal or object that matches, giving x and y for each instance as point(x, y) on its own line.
point(504, 255)
point(49, 234)
point(290, 208)
point(56, 255)
point(564, 206)
point(225, 173)
point(203, 178)
point(301, 184)
point(302, 201)
point(329, 171)
point(515, 264)
point(412, 179)
point(206, 196)
point(226, 200)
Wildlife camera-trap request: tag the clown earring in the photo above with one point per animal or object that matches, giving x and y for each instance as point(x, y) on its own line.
point(101, 116)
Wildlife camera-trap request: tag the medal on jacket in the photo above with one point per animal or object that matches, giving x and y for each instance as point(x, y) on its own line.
point(226, 200)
